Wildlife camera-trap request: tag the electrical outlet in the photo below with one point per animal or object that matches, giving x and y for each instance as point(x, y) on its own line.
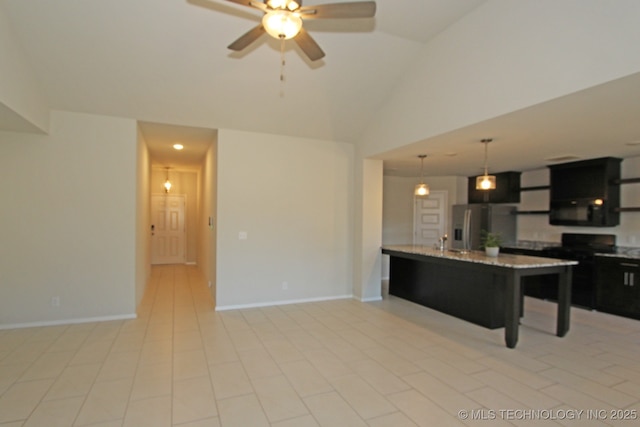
point(55, 301)
point(285, 286)
point(243, 235)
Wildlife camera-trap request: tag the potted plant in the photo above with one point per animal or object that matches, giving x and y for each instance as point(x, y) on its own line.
point(490, 242)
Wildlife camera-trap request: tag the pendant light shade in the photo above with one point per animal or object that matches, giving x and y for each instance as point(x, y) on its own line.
point(486, 181)
point(422, 189)
point(167, 183)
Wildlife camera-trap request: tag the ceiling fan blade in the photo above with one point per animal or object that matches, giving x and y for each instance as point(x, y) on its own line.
point(249, 3)
point(308, 45)
point(247, 38)
point(359, 9)
point(259, 5)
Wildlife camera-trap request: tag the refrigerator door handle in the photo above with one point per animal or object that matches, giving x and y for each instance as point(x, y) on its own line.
point(467, 229)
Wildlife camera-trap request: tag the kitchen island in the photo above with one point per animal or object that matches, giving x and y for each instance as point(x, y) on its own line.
point(474, 287)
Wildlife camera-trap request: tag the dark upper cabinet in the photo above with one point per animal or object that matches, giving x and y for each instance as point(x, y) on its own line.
point(507, 189)
point(585, 193)
point(587, 179)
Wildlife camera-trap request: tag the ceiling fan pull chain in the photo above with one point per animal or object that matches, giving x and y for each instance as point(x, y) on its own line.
point(282, 63)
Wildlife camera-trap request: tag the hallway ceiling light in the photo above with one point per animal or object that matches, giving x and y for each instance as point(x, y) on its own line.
point(486, 181)
point(167, 183)
point(178, 146)
point(422, 189)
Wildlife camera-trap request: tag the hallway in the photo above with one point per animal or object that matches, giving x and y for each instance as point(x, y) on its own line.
point(333, 363)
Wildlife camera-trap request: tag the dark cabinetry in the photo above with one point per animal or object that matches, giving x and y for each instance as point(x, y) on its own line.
point(459, 289)
point(585, 193)
point(507, 189)
point(618, 286)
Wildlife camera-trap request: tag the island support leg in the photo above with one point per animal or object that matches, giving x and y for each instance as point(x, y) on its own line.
point(513, 308)
point(564, 301)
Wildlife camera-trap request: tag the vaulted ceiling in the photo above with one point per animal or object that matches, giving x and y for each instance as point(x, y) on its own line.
point(166, 62)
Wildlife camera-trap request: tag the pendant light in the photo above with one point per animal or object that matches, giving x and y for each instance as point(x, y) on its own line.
point(422, 189)
point(167, 183)
point(486, 181)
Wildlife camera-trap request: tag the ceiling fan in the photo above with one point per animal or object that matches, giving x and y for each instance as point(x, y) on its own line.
point(283, 20)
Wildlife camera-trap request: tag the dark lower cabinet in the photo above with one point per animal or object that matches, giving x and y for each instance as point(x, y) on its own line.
point(463, 290)
point(618, 286)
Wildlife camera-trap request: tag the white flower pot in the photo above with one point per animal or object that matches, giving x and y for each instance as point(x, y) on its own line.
point(493, 251)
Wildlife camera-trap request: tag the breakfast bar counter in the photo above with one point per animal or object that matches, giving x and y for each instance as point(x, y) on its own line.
point(475, 287)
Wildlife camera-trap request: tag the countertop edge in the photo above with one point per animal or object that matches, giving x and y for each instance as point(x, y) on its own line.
point(478, 257)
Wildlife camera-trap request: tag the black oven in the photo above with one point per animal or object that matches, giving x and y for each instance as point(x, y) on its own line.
point(582, 248)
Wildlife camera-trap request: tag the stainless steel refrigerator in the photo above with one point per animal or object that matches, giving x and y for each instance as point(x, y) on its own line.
point(469, 220)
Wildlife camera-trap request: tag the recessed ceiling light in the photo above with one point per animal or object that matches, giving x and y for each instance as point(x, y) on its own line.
point(178, 146)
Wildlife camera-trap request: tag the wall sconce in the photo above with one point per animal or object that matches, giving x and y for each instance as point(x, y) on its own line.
point(486, 181)
point(422, 189)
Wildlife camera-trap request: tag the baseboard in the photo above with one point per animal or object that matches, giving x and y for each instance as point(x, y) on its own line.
point(371, 299)
point(286, 302)
point(68, 321)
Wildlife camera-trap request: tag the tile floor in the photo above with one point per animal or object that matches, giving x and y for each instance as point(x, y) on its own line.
point(335, 363)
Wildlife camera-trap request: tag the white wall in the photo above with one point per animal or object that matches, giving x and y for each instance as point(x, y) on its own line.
point(368, 232)
point(143, 217)
point(68, 220)
point(397, 210)
point(208, 218)
point(504, 56)
point(293, 198)
point(22, 103)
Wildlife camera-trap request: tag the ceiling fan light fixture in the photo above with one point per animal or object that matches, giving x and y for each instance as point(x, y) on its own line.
point(283, 4)
point(282, 24)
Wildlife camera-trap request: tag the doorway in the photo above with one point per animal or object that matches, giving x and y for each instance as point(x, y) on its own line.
point(430, 218)
point(168, 230)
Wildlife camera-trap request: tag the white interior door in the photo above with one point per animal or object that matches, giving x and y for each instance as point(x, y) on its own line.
point(168, 235)
point(430, 218)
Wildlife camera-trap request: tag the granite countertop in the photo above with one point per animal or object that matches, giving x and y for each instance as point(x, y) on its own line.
point(534, 245)
point(623, 252)
point(479, 257)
